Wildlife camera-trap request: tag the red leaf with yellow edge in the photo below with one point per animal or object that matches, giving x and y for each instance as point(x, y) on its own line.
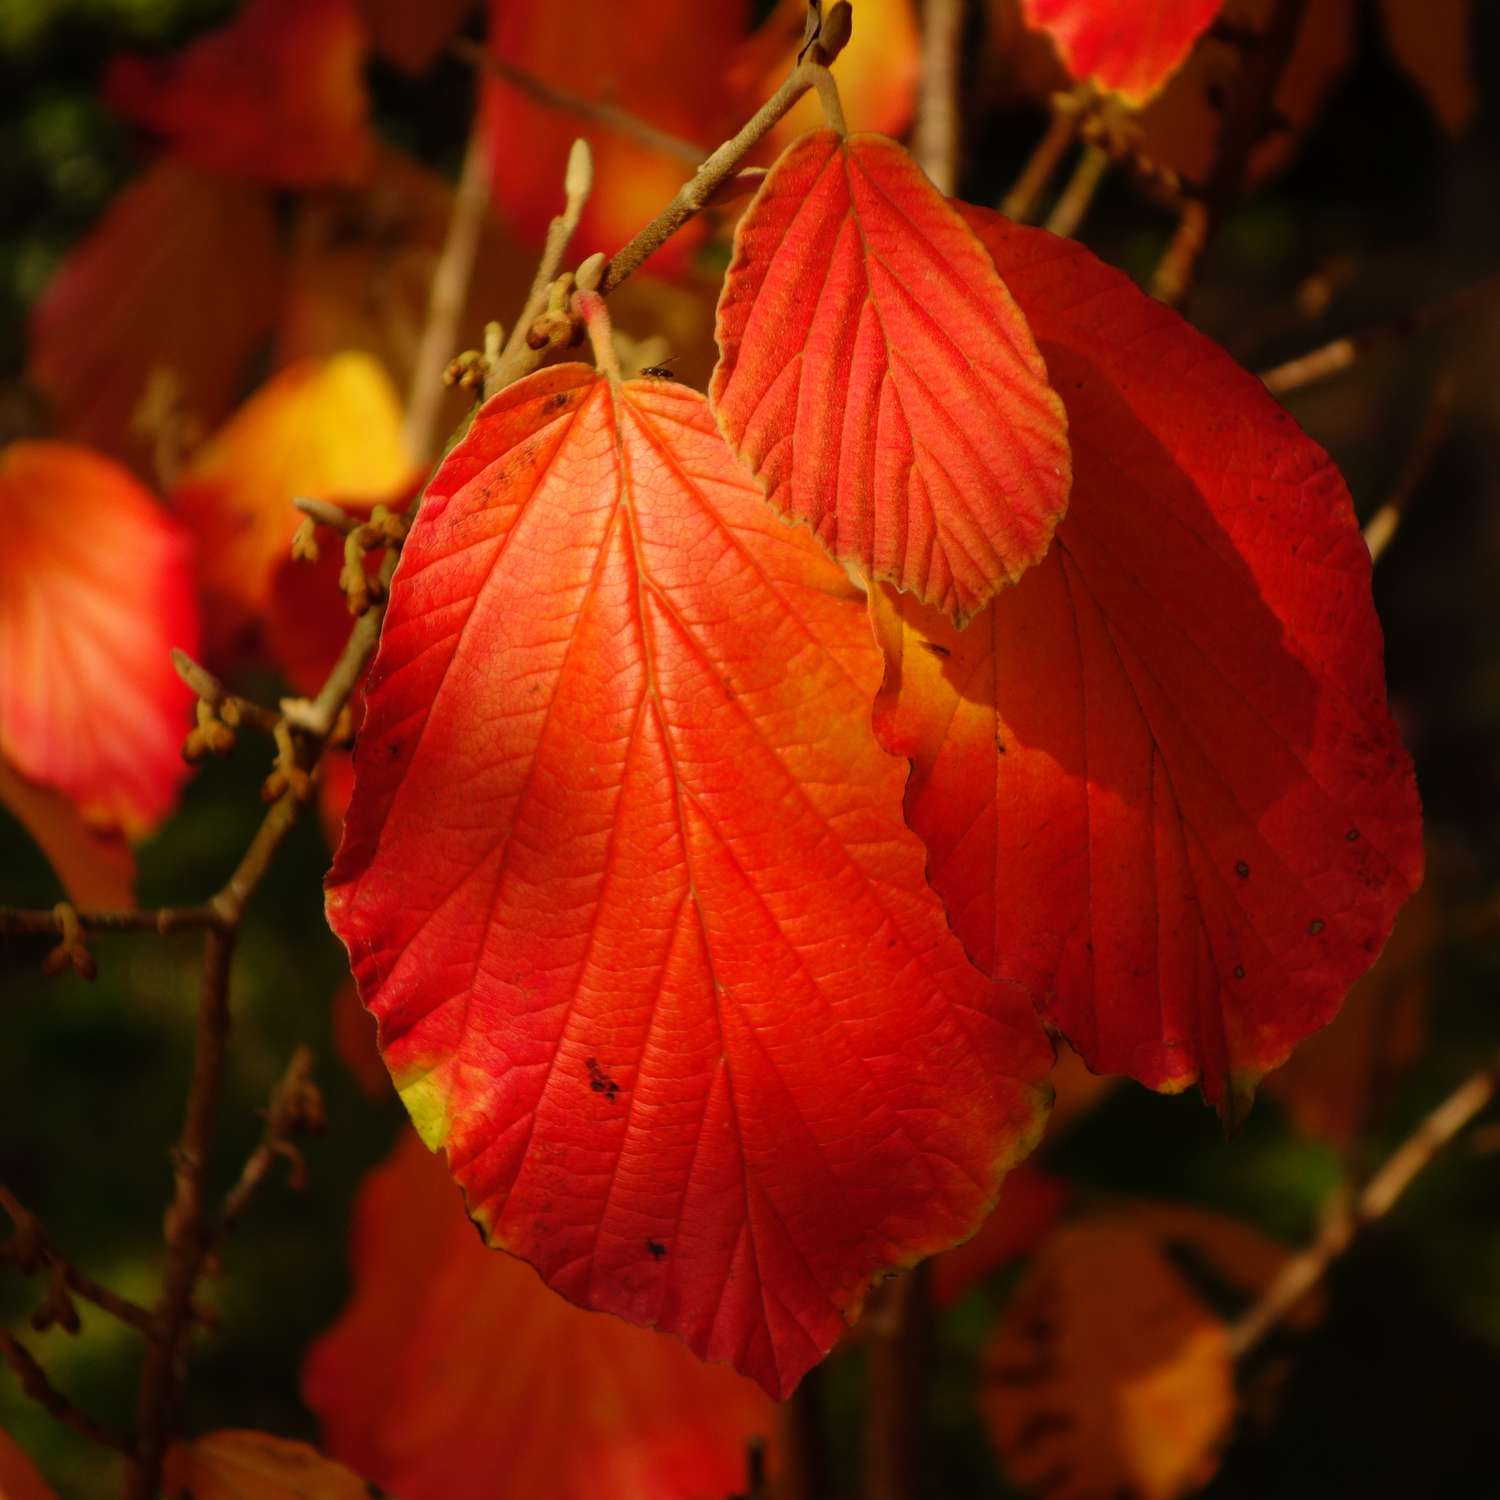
point(328, 429)
point(626, 883)
point(240, 1465)
point(1110, 1372)
point(1130, 47)
point(124, 315)
point(662, 61)
point(19, 1479)
point(877, 376)
point(1159, 781)
point(94, 865)
point(877, 71)
point(454, 1374)
point(95, 590)
point(277, 95)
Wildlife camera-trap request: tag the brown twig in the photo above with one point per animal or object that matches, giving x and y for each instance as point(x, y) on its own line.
point(609, 115)
point(160, 920)
point(1339, 354)
point(31, 1249)
point(1306, 1270)
point(898, 1330)
point(1383, 525)
point(230, 707)
point(46, 1395)
point(1077, 197)
point(937, 135)
point(447, 298)
point(295, 1108)
point(334, 517)
point(1021, 201)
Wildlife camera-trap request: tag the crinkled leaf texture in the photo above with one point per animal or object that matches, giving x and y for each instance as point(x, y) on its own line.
point(454, 1374)
point(1159, 780)
point(96, 588)
point(879, 379)
point(626, 883)
point(278, 95)
point(1128, 46)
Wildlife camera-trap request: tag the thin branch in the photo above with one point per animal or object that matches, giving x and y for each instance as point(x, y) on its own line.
point(32, 1247)
point(230, 707)
point(608, 115)
point(937, 137)
point(1304, 1271)
point(1339, 354)
point(334, 517)
point(46, 1395)
point(1383, 525)
point(1021, 201)
point(296, 1108)
point(898, 1330)
point(448, 296)
point(1077, 197)
point(160, 920)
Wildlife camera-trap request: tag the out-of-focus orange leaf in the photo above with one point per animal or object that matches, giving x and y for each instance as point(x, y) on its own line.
point(1181, 816)
point(412, 34)
point(454, 1374)
point(96, 867)
point(877, 72)
point(878, 378)
point(1182, 123)
point(277, 95)
point(237, 1465)
point(1109, 1374)
point(617, 803)
point(1130, 47)
point(1335, 1081)
point(664, 61)
point(19, 1479)
point(178, 282)
point(1030, 1202)
point(1431, 41)
point(328, 429)
point(96, 589)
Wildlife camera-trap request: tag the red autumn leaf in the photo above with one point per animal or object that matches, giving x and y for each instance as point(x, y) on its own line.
point(1130, 47)
point(19, 1479)
point(126, 308)
point(277, 95)
point(238, 1465)
point(1431, 40)
point(94, 865)
point(454, 1374)
point(876, 375)
point(95, 590)
point(662, 61)
point(329, 429)
point(1159, 781)
point(411, 36)
point(625, 882)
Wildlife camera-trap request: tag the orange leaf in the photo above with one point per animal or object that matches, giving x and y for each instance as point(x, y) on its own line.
point(876, 375)
point(277, 95)
point(328, 429)
point(1430, 39)
point(235, 1465)
point(454, 1374)
point(625, 882)
point(1109, 1373)
point(19, 1479)
point(662, 61)
point(1159, 781)
point(95, 590)
point(128, 306)
point(96, 867)
point(1130, 47)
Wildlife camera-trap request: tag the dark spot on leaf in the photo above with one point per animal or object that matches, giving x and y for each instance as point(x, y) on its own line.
point(600, 1081)
point(1239, 971)
point(1242, 870)
point(1316, 926)
point(1352, 835)
point(1000, 746)
point(557, 401)
point(941, 652)
point(657, 1249)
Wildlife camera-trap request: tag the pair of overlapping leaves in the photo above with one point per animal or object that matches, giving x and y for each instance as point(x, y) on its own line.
point(638, 890)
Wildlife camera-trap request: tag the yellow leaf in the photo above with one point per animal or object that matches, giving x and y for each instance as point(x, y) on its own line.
point(255, 1466)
